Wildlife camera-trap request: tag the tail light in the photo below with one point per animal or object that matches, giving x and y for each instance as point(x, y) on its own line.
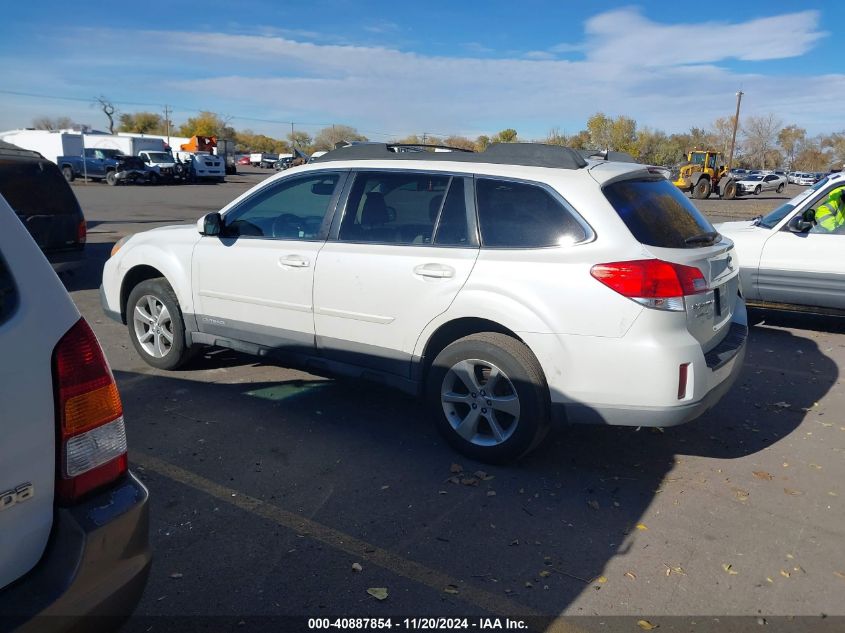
point(652, 282)
point(81, 232)
point(91, 435)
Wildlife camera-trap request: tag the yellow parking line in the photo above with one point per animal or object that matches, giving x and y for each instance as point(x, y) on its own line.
point(412, 570)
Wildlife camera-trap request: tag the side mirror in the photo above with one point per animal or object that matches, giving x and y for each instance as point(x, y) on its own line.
point(799, 225)
point(210, 224)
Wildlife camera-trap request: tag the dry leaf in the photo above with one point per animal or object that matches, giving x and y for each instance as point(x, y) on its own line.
point(357, 567)
point(451, 589)
point(528, 584)
point(456, 468)
point(593, 504)
point(385, 487)
point(641, 526)
point(645, 625)
point(794, 493)
point(784, 573)
point(491, 493)
point(379, 593)
point(545, 573)
point(741, 495)
point(601, 580)
point(729, 568)
point(631, 575)
point(839, 574)
point(483, 476)
point(768, 579)
point(515, 541)
point(762, 474)
point(470, 481)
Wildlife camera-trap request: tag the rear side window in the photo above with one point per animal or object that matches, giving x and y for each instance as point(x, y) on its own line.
point(520, 215)
point(33, 187)
point(658, 214)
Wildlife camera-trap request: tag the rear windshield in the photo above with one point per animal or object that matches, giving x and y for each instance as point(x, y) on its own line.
point(36, 188)
point(658, 214)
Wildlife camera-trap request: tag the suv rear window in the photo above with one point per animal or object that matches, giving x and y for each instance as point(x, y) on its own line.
point(520, 215)
point(36, 187)
point(658, 214)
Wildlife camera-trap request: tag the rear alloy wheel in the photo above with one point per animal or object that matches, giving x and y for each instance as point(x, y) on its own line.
point(702, 189)
point(67, 172)
point(155, 324)
point(489, 397)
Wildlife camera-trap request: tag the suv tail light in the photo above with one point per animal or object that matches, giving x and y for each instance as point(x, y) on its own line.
point(82, 232)
point(91, 434)
point(652, 282)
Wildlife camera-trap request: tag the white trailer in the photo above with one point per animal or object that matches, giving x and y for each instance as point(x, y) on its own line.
point(175, 142)
point(50, 144)
point(128, 145)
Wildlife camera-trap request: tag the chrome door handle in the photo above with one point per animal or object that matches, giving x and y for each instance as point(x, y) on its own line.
point(437, 271)
point(293, 261)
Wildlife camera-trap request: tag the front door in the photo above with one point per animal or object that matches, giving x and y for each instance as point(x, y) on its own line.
point(254, 282)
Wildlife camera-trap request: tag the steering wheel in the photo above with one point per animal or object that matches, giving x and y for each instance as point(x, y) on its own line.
point(286, 223)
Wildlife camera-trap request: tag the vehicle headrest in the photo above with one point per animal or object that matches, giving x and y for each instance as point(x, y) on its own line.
point(375, 210)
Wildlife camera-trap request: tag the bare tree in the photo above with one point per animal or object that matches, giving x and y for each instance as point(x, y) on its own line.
point(59, 123)
point(761, 134)
point(108, 109)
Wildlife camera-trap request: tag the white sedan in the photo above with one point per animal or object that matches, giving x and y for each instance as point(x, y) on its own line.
point(786, 258)
point(759, 182)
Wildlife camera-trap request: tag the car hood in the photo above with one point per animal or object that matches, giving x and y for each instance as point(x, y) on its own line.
point(731, 228)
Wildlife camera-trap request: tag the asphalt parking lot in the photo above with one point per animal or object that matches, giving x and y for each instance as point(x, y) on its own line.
point(268, 484)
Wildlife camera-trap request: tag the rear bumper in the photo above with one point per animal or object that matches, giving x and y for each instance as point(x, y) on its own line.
point(94, 569)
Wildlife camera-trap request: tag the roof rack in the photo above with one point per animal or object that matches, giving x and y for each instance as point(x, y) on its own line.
point(606, 154)
point(526, 154)
point(7, 149)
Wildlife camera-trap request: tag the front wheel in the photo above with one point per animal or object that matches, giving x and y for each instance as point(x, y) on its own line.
point(489, 397)
point(155, 324)
point(757, 190)
point(702, 189)
point(780, 188)
point(67, 172)
point(729, 192)
point(111, 178)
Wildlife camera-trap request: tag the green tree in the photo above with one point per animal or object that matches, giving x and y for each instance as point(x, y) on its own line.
point(505, 136)
point(482, 142)
point(207, 123)
point(142, 123)
point(326, 138)
point(790, 140)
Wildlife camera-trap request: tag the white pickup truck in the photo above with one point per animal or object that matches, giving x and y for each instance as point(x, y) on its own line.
point(160, 165)
point(203, 166)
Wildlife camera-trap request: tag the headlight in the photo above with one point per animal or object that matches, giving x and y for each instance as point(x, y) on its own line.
point(119, 245)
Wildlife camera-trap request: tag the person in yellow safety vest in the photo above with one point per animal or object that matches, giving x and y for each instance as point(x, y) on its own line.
point(830, 216)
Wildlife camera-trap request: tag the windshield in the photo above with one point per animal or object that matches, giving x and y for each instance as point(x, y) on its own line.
point(160, 157)
point(754, 178)
point(774, 218)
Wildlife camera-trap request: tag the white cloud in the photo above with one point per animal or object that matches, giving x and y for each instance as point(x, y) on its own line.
point(665, 76)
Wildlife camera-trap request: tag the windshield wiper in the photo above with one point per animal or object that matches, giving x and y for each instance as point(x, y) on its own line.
point(756, 220)
point(703, 238)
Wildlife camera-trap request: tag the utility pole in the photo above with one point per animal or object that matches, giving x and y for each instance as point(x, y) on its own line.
point(167, 122)
point(736, 125)
point(424, 137)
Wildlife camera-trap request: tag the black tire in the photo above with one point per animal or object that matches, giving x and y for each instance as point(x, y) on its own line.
point(67, 172)
point(729, 192)
point(757, 190)
point(153, 178)
point(523, 378)
point(780, 188)
point(178, 352)
point(111, 178)
point(702, 189)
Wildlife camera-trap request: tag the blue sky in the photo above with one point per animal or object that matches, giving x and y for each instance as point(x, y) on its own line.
point(393, 68)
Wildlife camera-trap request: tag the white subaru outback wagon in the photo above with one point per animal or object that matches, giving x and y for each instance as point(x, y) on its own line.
point(509, 288)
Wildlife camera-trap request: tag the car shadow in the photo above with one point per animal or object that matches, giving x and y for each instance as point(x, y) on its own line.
point(366, 460)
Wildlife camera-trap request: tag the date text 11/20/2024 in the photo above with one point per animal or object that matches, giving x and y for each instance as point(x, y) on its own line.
point(423, 624)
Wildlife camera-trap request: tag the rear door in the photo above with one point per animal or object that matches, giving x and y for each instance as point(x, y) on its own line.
point(404, 248)
point(35, 312)
point(44, 202)
point(664, 220)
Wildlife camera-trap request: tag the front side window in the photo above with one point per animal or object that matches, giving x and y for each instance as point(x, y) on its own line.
point(291, 209)
point(520, 215)
point(406, 208)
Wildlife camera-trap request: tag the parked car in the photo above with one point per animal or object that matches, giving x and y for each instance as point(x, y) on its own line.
point(96, 164)
point(758, 183)
point(160, 165)
point(505, 293)
point(243, 160)
point(44, 202)
point(785, 258)
point(805, 179)
point(73, 518)
point(131, 170)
